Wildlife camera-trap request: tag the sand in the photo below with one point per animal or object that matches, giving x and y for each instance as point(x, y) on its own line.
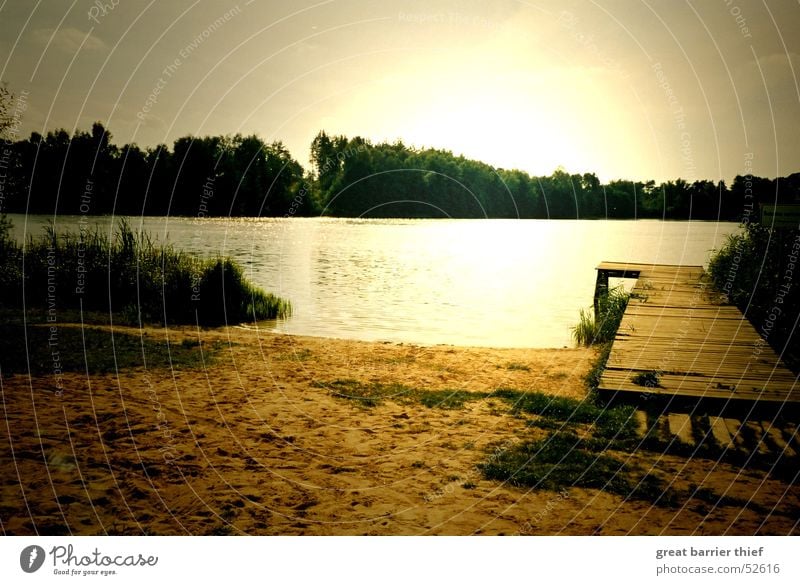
point(255, 443)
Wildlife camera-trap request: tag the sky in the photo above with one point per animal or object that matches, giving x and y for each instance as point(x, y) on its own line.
point(627, 89)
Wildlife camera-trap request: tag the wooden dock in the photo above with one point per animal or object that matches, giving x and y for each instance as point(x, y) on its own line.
point(676, 330)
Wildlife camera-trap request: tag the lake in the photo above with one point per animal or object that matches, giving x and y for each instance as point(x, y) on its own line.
point(495, 283)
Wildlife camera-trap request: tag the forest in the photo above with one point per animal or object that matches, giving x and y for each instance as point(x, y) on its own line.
point(85, 173)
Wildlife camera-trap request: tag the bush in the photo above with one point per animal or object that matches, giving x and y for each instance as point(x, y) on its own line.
point(755, 270)
point(225, 294)
point(129, 276)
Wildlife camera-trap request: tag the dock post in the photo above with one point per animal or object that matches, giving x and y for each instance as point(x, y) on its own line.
point(600, 287)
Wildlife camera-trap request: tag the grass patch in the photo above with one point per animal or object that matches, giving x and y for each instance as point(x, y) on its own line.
point(614, 423)
point(598, 367)
point(517, 367)
point(448, 399)
point(608, 423)
point(552, 463)
point(367, 395)
point(563, 460)
point(72, 349)
point(293, 355)
point(548, 424)
point(189, 343)
point(128, 275)
point(372, 394)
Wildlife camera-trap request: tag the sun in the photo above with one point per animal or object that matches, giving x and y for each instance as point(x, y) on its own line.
point(535, 120)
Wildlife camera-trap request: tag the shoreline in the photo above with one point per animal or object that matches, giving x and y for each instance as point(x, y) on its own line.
point(262, 441)
point(398, 343)
point(194, 217)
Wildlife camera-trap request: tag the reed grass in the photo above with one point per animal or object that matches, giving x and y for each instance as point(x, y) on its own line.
point(601, 327)
point(130, 276)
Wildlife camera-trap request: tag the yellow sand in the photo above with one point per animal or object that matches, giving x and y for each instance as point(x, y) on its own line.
point(251, 445)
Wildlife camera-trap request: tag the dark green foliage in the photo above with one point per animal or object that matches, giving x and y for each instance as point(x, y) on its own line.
point(611, 309)
point(518, 367)
point(758, 271)
point(374, 393)
point(612, 423)
point(225, 295)
point(602, 328)
point(83, 172)
point(129, 276)
point(368, 395)
point(6, 119)
point(10, 257)
point(647, 379)
point(92, 349)
point(448, 399)
point(556, 407)
point(552, 463)
point(615, 424)
point(358, 178)
point(596, 372)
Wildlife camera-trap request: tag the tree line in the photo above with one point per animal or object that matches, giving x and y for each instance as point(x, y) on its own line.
point(199, 176)
point(85, 173)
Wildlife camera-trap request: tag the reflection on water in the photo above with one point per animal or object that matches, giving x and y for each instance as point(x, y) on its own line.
point(500, 283)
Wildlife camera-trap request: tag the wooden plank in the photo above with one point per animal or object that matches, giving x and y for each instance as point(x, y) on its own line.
point(605, 265)
point(731, 374)
point(700, 382)
point(732, 353)
point(715, 313)
point(686, 362)
point(777, 395)
point(705, 348)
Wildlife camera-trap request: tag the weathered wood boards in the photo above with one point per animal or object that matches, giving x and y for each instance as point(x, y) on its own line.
point(698, 346)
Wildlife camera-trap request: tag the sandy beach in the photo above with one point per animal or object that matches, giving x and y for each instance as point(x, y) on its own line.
point(258, 442)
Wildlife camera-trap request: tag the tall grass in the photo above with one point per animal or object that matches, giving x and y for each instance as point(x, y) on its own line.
point(602, 327)
point(130, 276)
point(757, 270)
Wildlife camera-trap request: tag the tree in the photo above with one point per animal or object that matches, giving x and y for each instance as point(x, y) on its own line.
point(349, 177)
point(9, 176)
point(6, 119)
point(131, 171)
